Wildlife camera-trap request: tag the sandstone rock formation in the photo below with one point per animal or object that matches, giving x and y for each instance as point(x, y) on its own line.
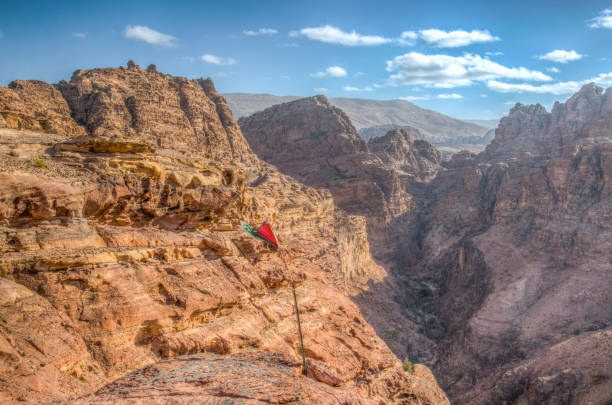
point(121, 250)
point(517, 241)
point(503, 258)
point(376, 117)
point(406, 152)
point(316, 143)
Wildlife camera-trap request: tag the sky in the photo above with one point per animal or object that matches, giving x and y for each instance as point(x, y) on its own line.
point(464, 59)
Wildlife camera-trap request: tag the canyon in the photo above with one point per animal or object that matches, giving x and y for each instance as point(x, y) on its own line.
point(499, 263)
point(125, 276)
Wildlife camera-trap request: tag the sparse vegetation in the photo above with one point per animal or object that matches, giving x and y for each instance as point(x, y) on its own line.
point(392, 334)
point(14, 153)
point(98, 88)
point(408, 366)
point(40, 163)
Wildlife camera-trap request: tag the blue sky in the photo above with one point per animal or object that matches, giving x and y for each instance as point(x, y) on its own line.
point(465, 59)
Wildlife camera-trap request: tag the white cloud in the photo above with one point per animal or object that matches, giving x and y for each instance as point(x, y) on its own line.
point(285, 77)
point(603, 20)
point(453, 39)
point(445, 71)
point(217, 60)
point(142, 33)
point(261, 31)
point(189, 59)
point(333, 35)
point(561, 56)
point(321, 90)
point(451, 84)
point(453, 96)
point(553, 70)
point(332, 71)
point(512, 103)
point(414, 98)
point(79, 34)
point(555, 88)
point(604, 79)
point(494, 53)
point(407, 38)
point(440, 38)
point(356, 89)
point(288, 45)
point(484, 95)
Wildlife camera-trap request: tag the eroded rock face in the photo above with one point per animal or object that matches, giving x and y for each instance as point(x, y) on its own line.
point(518, 241)
point(134, 104)
point(120, 252)
point(38, 106)
point(406, 152)
point(246, 378)
point(315, 142)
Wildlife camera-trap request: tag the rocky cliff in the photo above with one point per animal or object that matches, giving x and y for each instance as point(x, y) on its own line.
point(498, 269)
point(121, 198)
point(316, 143)
point(517, 240)
point(405, 151)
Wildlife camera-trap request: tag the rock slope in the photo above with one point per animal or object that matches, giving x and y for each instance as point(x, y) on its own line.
point(316, 143)
point(499, 268)
point(518, 240)
point(122, 257)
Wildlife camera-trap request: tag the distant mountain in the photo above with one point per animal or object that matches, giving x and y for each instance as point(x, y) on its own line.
point(374, 118)
point(490, 124)
point(244, 104)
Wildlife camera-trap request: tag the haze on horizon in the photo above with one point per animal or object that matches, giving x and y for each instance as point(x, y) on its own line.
point(468, 61)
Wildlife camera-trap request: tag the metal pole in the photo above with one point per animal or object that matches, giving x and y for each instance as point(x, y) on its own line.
point(297, 313)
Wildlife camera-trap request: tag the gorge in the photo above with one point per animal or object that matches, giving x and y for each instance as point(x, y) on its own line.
point(125, 276)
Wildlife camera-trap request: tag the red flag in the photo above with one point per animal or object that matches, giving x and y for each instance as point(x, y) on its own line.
point(265, 232)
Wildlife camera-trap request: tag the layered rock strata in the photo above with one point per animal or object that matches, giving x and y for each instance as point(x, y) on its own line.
point(502, 259)
point(121, 248)
point(316, 143)
point(517, 241)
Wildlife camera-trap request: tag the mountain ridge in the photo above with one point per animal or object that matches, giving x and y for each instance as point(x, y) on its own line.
point(374, 118)
point(125, 274)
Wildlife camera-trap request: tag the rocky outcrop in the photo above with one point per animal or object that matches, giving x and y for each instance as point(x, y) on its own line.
point(170, 112)
point(517, 240)
point(129, 104)
point(376, 117)
point(316, 143)
point(502, 258)
point(38, 106)
point(406, 152)
point(122, 257)
point(245, 378)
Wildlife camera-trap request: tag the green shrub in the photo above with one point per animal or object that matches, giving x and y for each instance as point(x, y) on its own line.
point(40, 163)
point(408, 366)
point(392, 334)
point(14, 153)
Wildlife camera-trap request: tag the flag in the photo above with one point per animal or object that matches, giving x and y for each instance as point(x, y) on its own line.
point(265, 232)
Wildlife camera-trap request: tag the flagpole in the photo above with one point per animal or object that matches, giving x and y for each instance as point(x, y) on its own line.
point(297, 312)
